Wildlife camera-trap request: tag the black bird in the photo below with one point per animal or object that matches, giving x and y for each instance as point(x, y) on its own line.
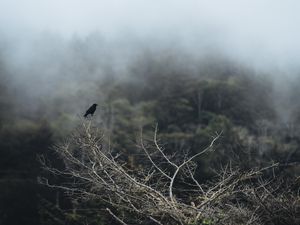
point(91, 110)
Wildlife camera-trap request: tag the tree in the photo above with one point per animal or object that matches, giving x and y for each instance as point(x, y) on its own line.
point(163, 189)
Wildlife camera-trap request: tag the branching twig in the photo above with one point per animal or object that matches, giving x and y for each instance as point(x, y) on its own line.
point(93, 172)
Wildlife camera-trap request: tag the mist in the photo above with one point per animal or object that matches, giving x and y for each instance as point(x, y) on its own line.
point(61, 49)
point(208, 78)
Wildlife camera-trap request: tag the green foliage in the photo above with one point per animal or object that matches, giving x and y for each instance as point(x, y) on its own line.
point(189, 106)
point(190, 109)
point(20, 143)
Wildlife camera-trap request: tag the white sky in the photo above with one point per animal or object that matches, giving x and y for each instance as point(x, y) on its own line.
point(82, 16)
point(243, 28)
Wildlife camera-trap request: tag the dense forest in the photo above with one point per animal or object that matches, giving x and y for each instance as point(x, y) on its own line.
point(188, 98)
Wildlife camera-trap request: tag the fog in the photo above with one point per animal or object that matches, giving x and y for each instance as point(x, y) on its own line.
point(239, 28)
point(56, 47)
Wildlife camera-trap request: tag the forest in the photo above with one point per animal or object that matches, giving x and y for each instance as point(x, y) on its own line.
point(183, 100)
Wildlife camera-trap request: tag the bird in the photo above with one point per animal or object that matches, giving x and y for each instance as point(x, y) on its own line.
point(91, 110)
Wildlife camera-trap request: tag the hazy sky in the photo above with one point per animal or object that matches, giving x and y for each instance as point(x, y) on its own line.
point(263, 31)
point(39, 38)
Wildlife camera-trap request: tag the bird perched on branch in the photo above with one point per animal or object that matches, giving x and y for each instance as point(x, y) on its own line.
point(91, 110)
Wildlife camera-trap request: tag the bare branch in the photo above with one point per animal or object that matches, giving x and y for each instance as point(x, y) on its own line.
point(151, 191)
point(114, 216)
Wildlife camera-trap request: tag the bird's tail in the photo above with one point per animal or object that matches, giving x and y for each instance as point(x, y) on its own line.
point(85, 115)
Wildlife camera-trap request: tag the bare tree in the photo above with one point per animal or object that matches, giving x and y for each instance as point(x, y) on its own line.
point(163, 188)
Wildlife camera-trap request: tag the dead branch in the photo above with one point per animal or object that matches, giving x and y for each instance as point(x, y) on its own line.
point(94, 171)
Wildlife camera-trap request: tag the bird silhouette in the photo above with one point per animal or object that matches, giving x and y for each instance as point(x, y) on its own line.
point(91, 110)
